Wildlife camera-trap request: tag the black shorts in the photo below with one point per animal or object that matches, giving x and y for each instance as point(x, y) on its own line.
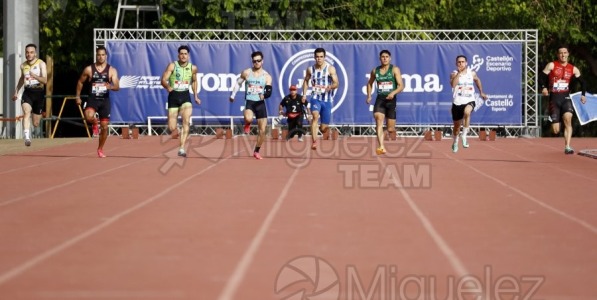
point(177, 98)
point(35, 98)
point(101, 107)
point(257, 107)
point(559, 104)
point(386, 107)
point(458, 110)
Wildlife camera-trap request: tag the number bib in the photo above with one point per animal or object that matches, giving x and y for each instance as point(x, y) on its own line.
point(465, 91)
point(560, 86)
point(30, 81)
point(254, 89)
point(318, 89)
point(99, 89)
point(385, 86)
point(181, 85)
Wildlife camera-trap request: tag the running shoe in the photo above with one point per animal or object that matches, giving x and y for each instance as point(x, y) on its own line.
point(100, 153)
point(314, 146)
point(568, 150)
point(300, 139)
point(247, 128)
point(257, 155)
point(27, 142)
point(455, 147)
point(181, 153)
point(380, 151)
point(465, 143)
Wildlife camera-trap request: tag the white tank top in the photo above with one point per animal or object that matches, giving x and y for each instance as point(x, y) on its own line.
point(464, 91)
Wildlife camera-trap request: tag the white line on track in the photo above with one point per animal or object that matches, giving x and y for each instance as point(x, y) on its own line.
point(245, 262)
point(32, 262)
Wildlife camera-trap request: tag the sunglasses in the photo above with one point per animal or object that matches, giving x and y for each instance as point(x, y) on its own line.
point(257, 61)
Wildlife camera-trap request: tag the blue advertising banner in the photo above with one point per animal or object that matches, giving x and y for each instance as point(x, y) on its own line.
point(425, 69)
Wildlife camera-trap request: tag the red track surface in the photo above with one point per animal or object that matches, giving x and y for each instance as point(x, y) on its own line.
point(512, 215)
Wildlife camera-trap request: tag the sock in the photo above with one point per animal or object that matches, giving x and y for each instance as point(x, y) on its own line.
point(464, 133)
point(26, 131)
point(456, 138)
point(257, 149)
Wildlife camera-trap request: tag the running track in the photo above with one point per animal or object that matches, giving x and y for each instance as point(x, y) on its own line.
point(510, 219)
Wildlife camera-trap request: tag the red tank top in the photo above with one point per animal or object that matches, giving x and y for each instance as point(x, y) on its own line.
point(560, 76)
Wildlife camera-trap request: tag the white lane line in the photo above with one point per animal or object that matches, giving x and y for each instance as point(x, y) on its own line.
point(243, 265)
point(20, 269)
point(572, 218)
point(441, 243)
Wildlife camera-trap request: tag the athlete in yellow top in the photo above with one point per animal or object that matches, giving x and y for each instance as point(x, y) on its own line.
point(178, 77)
point(34, 76)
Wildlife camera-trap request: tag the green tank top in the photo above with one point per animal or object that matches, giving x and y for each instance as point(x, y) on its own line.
point(386, 83)
point(181, 77)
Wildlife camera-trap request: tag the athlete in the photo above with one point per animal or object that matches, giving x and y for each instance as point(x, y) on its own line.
point(324, 81)
point(463, 83)
point(555, 82)
point(178, 77)
point(389, 84)
point(103, 78)
point(258, 87)
point(33, 76)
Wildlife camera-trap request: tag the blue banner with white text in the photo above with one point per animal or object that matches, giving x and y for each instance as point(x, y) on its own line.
point(425, 68)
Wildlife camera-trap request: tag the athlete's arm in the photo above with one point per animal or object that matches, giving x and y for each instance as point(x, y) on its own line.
point(114, 80)
point(239, 82)
point(306, 84)
point(399, 83)
point(19, 85)
point(268, 87)
point(334, 76)
point(477, 81)
point(544, 79)
point(43, 76)
point(454, 78)
point(166, 77)
point(583, 84)
point(370, 86)
point(85, 75)
point(195, 84)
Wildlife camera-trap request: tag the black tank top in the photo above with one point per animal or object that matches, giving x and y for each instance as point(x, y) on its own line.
point(98, 80)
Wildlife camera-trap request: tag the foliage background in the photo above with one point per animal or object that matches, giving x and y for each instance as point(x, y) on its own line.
point(66, 26)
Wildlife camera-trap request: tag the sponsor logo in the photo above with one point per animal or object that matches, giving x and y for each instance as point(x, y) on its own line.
point(499, 63)
point(140, 82)
point(476, 63)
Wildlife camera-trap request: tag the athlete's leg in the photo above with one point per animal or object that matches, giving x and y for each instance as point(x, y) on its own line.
point(314, 125)
point(248, 115)
point(567, 120)
point(379, 118)
point(103, 133)
point(186, 110)
point(466, 123)
point(261, 125)
point(26, 120)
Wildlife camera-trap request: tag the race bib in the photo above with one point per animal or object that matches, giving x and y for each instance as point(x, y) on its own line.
point(385, 86)
point(99, 88)
point(465, 91)
point(181, 85)
point(319, 89)
point(30, 81)
point(254, 89)
point(560, 85)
